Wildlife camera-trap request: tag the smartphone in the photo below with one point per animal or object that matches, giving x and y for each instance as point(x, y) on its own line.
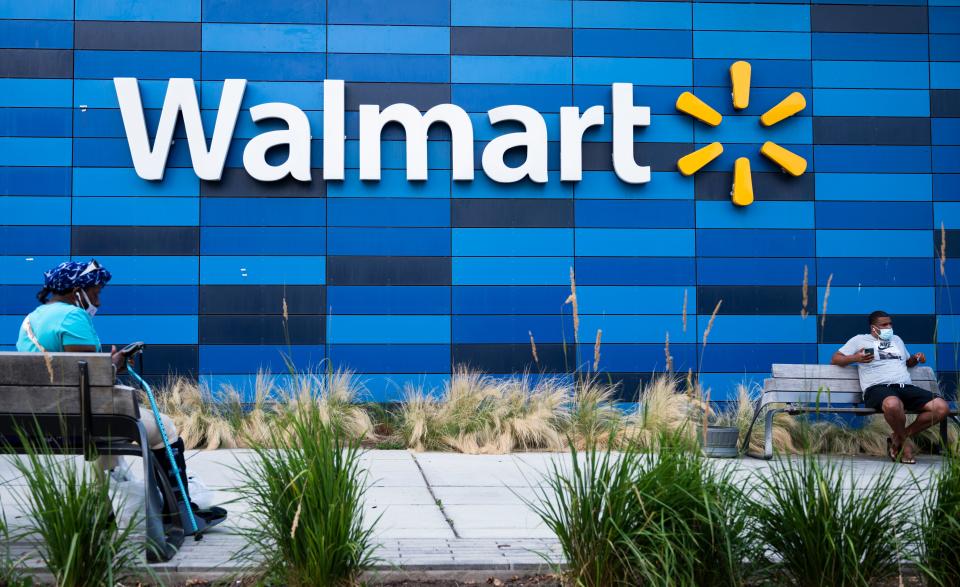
point(132, 349)
point(868, 351)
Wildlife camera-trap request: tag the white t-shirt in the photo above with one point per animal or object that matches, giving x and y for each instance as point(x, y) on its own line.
point(889, 363)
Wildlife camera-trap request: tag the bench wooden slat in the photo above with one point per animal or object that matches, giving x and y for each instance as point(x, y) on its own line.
point(919, 373)
point(29, 369)
point(831, 385)
point(113, 400)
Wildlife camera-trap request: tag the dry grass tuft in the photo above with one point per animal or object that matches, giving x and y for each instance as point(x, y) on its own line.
point(806, 296)
point(739, 415)
point(663, 408)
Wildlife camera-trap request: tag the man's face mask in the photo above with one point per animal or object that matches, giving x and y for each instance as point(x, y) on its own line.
point(84, 302)
point(885, 333)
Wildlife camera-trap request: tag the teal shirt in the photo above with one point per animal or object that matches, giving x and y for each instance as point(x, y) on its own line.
point(56, 325)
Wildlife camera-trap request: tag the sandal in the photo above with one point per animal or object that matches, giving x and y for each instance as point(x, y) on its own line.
point(907, 460)
point(897, 455)
point(891, 452)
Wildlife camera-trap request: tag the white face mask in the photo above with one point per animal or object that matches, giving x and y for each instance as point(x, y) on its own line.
point(84, 302)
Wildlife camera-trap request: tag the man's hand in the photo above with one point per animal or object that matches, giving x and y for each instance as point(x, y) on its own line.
point(862, 357)
point(919, 357)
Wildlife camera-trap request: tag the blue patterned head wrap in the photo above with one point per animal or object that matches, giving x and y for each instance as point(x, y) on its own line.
point(75, 274)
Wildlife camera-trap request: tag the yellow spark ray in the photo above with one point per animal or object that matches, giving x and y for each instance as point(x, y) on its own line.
point(693, 162)
point(697, 108)
point(792, 163)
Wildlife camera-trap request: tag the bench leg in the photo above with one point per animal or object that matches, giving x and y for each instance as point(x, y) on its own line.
point(944, 437)
point(155, 536)
point(768, 433)
point(745, 445)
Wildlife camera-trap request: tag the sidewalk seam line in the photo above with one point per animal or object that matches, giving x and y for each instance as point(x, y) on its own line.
point(433, 496)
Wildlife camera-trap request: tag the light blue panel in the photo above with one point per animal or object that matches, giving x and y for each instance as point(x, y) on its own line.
point(620, 329)
point(746, 129)
point(863, 300)
point(281, 38)
point(42, 93)
point(103, 94)
point(304, 95)
point(149, 329)
point(863, 243)
point(123, 181)
point(634, 242)
point(509, 242)
point(947, 213)
point(945, 75)
point(393, 388)
point(627, 299)
point(728, 328)
point(36, 34)
point(152, 270)
point(143, 211)
point(46, 10)
point(423, 40)
point(647, 15)
point(140, 64)
point(637, 70)
point(870, 74)
point(388, 329)
point(511, 270)
point(392, 184)
point(913, 187)
point(388, 241)
point(285, 240)
point(510, 13)
point(23, 270)
point(662, 185)
point(386, 67)
point(156, 10)
point(757, 215)
point(256, 270)
point(484, 187)
point(31, 152)
point(494, 69)
point(871, 103)
point(750, 17)
point(751, 45)
point(948, 328)
point(34, 210)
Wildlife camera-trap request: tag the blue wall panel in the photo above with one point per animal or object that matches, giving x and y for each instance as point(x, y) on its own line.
point(403, 280)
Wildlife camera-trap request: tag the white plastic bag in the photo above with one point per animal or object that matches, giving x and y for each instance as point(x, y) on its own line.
point(200, 494)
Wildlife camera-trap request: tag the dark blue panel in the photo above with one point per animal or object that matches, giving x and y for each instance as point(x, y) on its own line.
point(388, 299)
point(36, 34)
point(152, 299)
point(752, 271)
point(388, 212)
point(285, 11)
point(35, 181)
point(139, 64)
point(768, 73)
point(635, 213)
point(643, 357)
point(244, 358)
point(17, 300)
point(397, 358)
point(35, 122)
point(635, 271)
point(877, 271)
point(725, 357)
point(434, 12)
point(872, 159)
point(264, 66)
point(661, 100)
point(35, 240)
point(483, 97)
point(755, 243)
point(387, 68)
point(506, 299)
point(287, 240)
point(873, 214)
point(944, 48)
point(388, 241)
point(486, 329)
point(632, 43)
point(946, 187)
point(870, 47)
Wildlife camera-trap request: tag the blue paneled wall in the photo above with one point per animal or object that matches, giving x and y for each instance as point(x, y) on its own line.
point(402, 280)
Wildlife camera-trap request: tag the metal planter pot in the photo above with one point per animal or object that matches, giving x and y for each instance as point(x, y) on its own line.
point(721, 442)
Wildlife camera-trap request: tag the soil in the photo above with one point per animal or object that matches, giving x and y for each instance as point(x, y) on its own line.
point(538, 580)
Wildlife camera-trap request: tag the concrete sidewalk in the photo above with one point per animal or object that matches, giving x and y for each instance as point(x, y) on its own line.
point(459, 515)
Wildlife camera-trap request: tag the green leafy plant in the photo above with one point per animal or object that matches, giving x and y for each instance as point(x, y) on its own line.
point(820, 528)
point(10, 574)
point(627, 518)
point(70, 514)
point(940, 527)
point(306, 504)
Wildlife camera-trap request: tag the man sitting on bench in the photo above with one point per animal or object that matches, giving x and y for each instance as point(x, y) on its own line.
point(882, 362)
point(64, 323)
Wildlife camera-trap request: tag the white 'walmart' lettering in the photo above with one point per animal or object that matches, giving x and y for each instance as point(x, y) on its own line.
point(181, 100)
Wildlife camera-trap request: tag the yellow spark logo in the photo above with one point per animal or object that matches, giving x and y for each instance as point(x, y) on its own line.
point(742, 191)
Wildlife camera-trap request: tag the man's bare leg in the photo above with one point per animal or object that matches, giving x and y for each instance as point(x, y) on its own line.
point(896, 417)
point(933, 411)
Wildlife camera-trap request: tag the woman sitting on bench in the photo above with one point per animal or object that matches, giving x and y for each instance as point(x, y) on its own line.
point(63, 323)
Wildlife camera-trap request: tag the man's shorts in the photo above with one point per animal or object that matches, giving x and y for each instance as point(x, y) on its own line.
point(913, 397)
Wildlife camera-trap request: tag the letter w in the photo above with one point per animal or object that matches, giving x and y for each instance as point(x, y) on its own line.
point(181, 97)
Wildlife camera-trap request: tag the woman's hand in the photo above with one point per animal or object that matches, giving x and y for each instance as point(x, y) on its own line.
point(119, 359)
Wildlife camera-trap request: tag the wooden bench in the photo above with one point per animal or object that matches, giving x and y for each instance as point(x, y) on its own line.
point(70, 403)
point(805, 389)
